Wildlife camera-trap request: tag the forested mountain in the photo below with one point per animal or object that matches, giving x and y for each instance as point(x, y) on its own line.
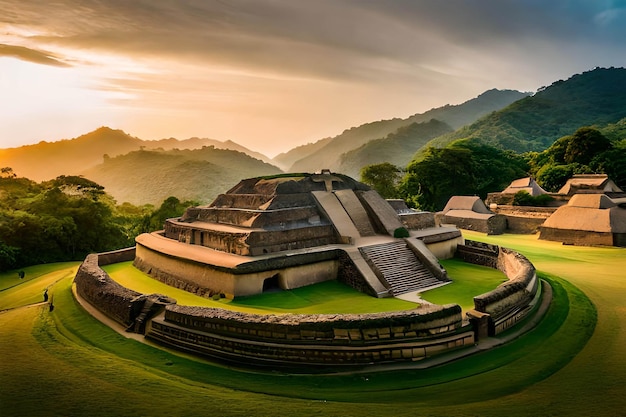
point(47, 160)
point(198, 143)
point(141, 177)
point(397, 148)
point(453, 115)
point(596, 97)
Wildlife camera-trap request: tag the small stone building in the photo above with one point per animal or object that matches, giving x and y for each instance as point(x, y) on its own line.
point(470, 213)
point(588, 219)
point(506, 196)
point(591, 184)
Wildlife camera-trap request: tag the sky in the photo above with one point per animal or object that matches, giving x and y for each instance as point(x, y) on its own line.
point(274, 74)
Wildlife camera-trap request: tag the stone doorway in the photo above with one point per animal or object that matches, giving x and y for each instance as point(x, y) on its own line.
point(271, 284)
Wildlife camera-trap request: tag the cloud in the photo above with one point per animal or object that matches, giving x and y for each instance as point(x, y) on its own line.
point(31, 55)
point(357, 60)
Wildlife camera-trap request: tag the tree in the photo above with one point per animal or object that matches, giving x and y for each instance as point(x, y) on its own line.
point(383, 178)
point(171, 207)
point(584, 145)
point(552, 177)
point(463, 168)
point(7, 172)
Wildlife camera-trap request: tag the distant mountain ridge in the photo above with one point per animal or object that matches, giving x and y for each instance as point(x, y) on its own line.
point(596, 97)
point(397, 148)
point(48, 160)
point(330, 155)
point(150, 176)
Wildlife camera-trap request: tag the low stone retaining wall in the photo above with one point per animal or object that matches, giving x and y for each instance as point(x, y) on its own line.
point(289, 341)
point(305, 340)
point(512, 300)
point(95, 286)
point(523, 219)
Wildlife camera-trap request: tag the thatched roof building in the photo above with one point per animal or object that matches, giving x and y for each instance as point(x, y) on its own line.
point(469, 212)
point(527, 184)
point(588, 219)
point(589, 183)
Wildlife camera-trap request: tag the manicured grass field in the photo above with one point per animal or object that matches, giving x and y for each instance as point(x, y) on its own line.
point(327, 297)
point(468, 281)
point(66, 363)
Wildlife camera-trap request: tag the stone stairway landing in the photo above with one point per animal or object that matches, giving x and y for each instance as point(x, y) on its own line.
point(398, 266)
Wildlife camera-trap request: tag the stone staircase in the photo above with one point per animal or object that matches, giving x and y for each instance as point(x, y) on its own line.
point(399, 267)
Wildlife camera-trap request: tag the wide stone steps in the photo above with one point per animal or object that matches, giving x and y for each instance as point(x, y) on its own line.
point(399, 267)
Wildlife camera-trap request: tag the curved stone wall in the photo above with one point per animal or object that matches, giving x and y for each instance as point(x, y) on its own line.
point(512, 300)
point(305, 340)
point(95, 286)
point(278, 340)
point(294, 341)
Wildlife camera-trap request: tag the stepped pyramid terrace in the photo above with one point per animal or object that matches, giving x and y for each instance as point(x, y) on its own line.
point(284, 232)
point(288, 231)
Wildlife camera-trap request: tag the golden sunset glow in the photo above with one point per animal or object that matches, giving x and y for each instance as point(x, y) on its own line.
point(274, 75)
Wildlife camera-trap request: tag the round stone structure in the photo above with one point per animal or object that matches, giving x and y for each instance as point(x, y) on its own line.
point(294, 230)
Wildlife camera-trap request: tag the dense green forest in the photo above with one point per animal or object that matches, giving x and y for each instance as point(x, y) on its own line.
point(468, 167)
point(533, 123)
point(67, 218)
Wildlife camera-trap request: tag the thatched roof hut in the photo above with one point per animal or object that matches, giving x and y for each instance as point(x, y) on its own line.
point(527, 184)
point(469, 212)
point(588, 219)
point(589, 183)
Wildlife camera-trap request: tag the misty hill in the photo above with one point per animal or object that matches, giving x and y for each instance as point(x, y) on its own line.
point(47, 160)
point(455, 116)
point(594, 97)
point(198, 143)
point(142, 177)
point(286, 159)
point(397, 148)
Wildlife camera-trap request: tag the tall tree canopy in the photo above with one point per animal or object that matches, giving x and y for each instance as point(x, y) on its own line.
point(463, 168)
point(67, 218)
point(383, 178)
point(585, 151)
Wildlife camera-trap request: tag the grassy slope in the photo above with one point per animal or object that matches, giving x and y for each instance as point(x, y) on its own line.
point(65, 356)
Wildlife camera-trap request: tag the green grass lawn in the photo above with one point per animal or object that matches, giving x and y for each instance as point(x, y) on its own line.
point(330, 297)
point(66, 363)
point(468, 281)
point(15, 292)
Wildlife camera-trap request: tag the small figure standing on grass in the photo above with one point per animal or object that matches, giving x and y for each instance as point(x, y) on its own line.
point(51, 306)
point(21, 274)
point(45, 295)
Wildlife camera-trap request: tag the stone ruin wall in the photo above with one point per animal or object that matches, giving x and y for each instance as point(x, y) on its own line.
point(493, 225)
point(289, 339)
point(294, 340)
point(349, 339)
point(577, 237)
point(512, 300)
point(95, 286)
point(418, 221)
point(349, 274)
point(207, 280)
point(524, 219)
point(252, 242)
